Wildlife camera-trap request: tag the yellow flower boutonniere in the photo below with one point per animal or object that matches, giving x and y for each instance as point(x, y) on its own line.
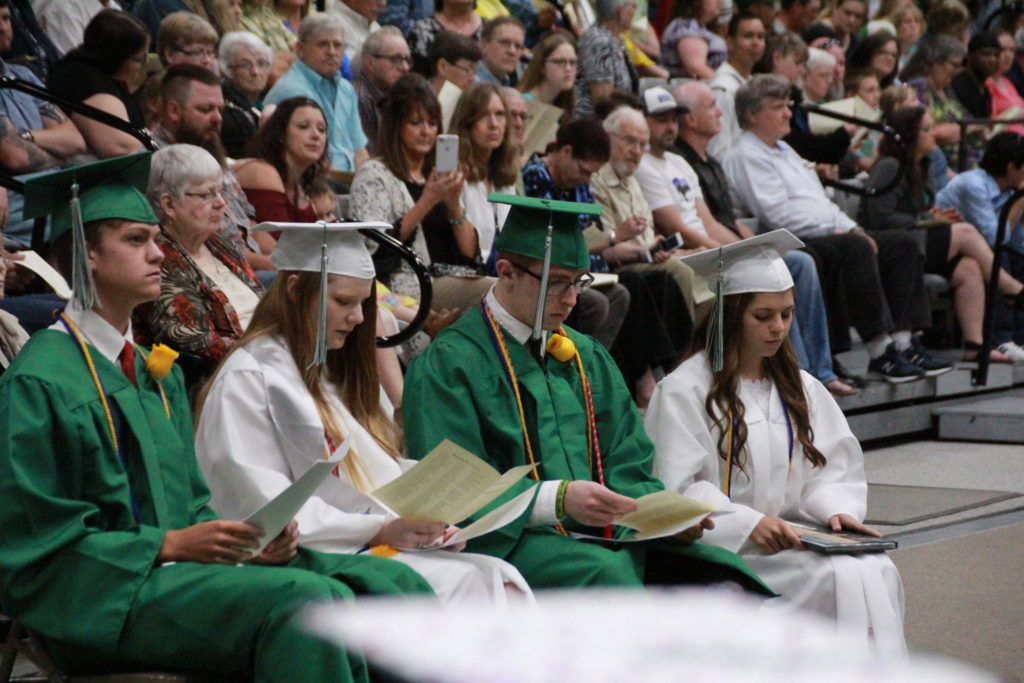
point(161, 359)
point(561, 347)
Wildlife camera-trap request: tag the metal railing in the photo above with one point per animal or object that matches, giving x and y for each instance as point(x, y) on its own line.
point(961, 148)
point(142, 135)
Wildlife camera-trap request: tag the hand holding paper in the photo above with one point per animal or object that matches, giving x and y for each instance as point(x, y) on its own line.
point(662, 514)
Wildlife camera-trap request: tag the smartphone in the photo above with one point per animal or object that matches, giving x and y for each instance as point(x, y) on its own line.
point(447, 153)
point(673, 241)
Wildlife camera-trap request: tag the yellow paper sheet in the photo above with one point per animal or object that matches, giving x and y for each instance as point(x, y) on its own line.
point(495, 519)
point(448, 485)
point(662, 510)
point(851, 106)
point(541, 126)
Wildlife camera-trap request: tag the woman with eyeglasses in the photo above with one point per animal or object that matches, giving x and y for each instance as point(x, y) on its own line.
point(187, 38)
point(879, 52)
point(102, 73)
point(245, 65)
point(551, 76)
point(208, 292)
point(290, 152)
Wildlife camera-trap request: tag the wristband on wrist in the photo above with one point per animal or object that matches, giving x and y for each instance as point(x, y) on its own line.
point(461, 218)
point(27, 135)
point(560, 500)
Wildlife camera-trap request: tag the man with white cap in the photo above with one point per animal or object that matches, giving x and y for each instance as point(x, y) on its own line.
point(742, 427)
point(110, 551)
point(511, 384)
point(274, 409)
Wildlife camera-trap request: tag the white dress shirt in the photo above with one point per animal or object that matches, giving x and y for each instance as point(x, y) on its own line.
point(724, 84)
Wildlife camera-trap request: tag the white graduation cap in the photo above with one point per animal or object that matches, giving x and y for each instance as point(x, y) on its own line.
point(751, 265)
point(325, 248)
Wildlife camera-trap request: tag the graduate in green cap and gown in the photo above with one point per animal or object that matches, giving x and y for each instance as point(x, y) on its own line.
point(514, 387)
point(109, 550)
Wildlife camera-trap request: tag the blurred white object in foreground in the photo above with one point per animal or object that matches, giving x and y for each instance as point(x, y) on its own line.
point(596, 636)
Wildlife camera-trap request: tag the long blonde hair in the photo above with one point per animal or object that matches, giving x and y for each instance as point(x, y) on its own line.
point(352, 368)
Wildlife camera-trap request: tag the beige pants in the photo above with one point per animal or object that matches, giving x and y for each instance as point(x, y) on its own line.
point(694, 288)
point(459, 293)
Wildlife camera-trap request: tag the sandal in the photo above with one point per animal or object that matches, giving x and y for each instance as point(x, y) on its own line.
point(838, 387)
point(971, 350)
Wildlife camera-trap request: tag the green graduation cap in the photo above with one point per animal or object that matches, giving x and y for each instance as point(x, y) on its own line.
point(114, 188)
point(547, 230)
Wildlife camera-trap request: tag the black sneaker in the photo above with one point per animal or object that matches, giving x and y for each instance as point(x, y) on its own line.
point(919, 356)
point(892, 367)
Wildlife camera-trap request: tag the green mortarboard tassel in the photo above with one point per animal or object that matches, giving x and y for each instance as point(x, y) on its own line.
point(320, 357)
point(83, 291)
point(715, 343)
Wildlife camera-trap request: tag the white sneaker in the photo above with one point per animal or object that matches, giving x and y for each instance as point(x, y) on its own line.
point(1013, 350)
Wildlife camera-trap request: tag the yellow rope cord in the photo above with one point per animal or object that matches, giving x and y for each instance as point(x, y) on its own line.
point(95, 377)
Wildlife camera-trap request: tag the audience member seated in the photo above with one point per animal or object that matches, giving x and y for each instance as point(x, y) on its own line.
point(1006, 100)
point(34, 136)
point(192, 106)
point(953, 249)
point(689, 45)
point(276, 23)
point(550, 77)
point(187, 38)
point(821, 69)
point(112, 54)
point(979, 196)
point(30, 46)
point(909, 21)
point(315, 75)
point(453, 58)
point(745, 38)
point(879, 52)
point(405, 13)
point(137, 572)
point(290, 152)
point(698, 125)
point(603, 64)
point(402, 187)
point(841, 21)
point(244, 66)
point(518, 115)
point(291, 416)
point(796, 16)
point(580, 149)
point(821, 148)
point(501, 46)
point(207, 291)
point(456, 16)
point(384, 58)
point(874, 282)
point(628, 243)
point(969, 85)
point(931, 71)
point(360, 20)
point(721, 434)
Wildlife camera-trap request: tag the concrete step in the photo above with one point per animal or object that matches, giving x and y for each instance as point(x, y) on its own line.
point(994, 419)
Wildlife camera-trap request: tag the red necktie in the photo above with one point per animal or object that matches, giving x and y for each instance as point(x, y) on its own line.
point(127, 359)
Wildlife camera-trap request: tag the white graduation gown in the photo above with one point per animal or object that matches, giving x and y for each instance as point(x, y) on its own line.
point(260, 430)
point(862, 592)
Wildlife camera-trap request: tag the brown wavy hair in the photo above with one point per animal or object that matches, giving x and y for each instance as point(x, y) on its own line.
point(270, 142)
point(352, 368)
point(411, 94)
point(723, 395)
point(501, 167)
point(534, 74)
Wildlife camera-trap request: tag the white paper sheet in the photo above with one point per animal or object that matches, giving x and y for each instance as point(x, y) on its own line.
point(275, 515)
point(35, 263)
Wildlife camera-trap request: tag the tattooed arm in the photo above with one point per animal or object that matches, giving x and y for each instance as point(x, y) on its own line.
point(59, 136)
point(18, 155)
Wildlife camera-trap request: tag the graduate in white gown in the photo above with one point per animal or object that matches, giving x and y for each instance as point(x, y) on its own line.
point(269, 413)
point(766, 441)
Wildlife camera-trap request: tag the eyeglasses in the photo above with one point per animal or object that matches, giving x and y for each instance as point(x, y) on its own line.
point(246, 65)
point(510, 44)
point(587, 171)
point(563, 63)
point(205, 196)
point(831, 42)
point(561, 288)
point(197, 52)
point(519, 115)
point(396, 60)
point(632, 142)
point(467, 69)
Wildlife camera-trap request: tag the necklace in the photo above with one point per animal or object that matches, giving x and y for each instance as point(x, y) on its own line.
point(593, 445)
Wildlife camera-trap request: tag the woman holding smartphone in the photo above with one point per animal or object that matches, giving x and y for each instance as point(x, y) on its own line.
point(489, 157)
point(402, 186)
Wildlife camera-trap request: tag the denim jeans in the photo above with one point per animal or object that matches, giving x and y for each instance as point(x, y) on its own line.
point(809, 333)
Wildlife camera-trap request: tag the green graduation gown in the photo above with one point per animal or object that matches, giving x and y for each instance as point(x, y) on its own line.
point(77, 567)
point(457, 389)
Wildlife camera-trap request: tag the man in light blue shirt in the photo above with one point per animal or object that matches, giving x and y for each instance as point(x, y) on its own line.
point(980, 196)
point(321, 49)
